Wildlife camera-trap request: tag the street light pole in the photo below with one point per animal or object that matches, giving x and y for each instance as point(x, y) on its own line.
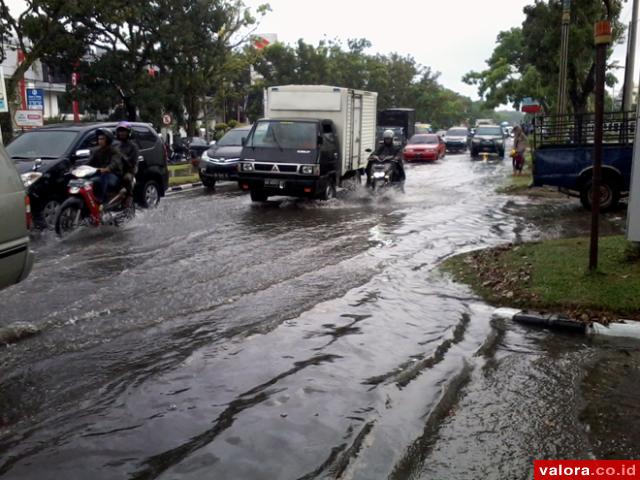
point(603, 39)
point(627, 93)
point(564, 57)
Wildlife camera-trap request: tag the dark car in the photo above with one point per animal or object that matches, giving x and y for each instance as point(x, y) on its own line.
point(220, 161)
point(45, 155)
point(185, 149)
point(488, 139)
point(398, 135)
point(457, 139)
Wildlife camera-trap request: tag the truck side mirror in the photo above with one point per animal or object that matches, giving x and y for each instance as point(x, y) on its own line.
point(244, 141)
point(320, 139)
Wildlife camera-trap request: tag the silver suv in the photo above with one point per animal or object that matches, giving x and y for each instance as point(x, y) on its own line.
point(16, 259)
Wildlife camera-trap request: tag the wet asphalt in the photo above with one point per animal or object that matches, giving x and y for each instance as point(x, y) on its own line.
point(215, 338)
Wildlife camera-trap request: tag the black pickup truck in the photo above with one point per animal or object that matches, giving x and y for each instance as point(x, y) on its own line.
point(563, 155)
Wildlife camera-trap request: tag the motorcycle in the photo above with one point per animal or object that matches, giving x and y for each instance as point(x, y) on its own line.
point(383, 174)
point(82, 208)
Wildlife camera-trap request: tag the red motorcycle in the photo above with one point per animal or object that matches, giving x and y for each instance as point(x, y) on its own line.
point(82, 208)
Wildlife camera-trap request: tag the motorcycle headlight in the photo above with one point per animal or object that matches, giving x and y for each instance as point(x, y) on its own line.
point(309, 169)
point(247, 167)
point(30, 178)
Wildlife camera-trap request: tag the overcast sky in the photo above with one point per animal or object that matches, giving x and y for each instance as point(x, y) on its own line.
point(451, 37)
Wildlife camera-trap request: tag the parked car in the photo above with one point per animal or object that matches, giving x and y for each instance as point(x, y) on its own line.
point(457, 139)
point(428, 147)
point(488, 139)
point(16, 260)
point(220, 161)
point(45, 155)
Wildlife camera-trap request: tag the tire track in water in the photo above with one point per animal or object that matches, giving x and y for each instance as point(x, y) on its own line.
point(154, 466)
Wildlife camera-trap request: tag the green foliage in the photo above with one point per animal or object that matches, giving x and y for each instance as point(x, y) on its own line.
point(526, 59)
point(399, 80)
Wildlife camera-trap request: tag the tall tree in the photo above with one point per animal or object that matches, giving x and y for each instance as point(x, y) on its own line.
point(525, 61)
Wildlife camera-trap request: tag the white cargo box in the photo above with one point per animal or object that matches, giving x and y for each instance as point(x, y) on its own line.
point(352, 111)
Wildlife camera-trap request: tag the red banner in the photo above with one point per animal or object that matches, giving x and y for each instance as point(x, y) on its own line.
point(581, 469)
point(23, 86)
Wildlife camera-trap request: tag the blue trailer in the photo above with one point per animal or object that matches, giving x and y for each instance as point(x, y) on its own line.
point(563, 155)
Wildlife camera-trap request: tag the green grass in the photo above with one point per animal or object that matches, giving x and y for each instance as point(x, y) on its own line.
point(553, 275)
point(174, 181)
point(181, 174)
point(518, 184)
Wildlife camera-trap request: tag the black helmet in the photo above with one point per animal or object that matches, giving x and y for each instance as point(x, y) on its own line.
point(107, 133)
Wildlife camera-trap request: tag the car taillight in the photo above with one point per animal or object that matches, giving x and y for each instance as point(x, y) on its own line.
point(29, 217)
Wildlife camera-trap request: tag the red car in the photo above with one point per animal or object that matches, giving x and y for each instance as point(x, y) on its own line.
point(427, 147)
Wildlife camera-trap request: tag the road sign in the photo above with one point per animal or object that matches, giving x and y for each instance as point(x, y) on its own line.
point(166, 119)
point(29, 118)
point(4, 106)
point(35, 99)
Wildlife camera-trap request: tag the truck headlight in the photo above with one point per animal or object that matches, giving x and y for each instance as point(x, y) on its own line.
point(247, 167)
point(309, 169)
point(30, 178)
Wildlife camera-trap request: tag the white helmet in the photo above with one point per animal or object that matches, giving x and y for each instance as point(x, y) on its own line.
point(388, 134)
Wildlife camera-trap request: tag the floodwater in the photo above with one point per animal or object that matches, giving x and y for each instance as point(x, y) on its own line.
point(213, 338)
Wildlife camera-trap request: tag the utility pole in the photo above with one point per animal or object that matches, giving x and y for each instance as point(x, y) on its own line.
point(564, 57)
point(603, 39)
point(627, 93)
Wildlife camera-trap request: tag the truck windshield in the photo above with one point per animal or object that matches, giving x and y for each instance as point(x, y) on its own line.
point(457, 132)
point(496, 131)
point(283, 134)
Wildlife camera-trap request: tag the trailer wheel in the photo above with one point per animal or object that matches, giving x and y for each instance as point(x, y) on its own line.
point(609, 195)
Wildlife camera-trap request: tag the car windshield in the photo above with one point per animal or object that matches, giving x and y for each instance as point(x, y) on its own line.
point(39, 144)
point(457, 132)
point(423, 139)
point(283, 134)
point(497, 131)
point(232, 138)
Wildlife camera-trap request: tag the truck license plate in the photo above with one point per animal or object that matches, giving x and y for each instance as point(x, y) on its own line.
point(274, 182)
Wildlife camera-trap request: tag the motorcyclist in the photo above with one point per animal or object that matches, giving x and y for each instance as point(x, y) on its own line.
point(388, 149)
point(108, 161)
point(129, 153)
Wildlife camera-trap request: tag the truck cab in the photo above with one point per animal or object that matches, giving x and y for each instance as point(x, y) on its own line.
point(297, 157)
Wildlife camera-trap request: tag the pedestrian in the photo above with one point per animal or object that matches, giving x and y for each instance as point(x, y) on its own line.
point(520, 142)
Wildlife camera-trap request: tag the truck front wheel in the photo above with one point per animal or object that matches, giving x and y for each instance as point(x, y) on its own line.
point(329, 191)
point(609, 195)
point(258, 196)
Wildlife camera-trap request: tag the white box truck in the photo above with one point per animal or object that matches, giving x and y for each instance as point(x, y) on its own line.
point(313, 139)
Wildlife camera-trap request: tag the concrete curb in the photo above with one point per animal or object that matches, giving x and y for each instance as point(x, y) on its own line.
point(182, 188)
point(622, 328)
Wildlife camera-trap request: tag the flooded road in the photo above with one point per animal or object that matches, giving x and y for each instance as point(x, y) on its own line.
point(213, 338)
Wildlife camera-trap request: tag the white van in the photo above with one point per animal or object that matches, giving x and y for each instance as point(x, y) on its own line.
point(16, 259)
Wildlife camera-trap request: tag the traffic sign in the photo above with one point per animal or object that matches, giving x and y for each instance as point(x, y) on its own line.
point(35, 99)
point(29, 118)
point(166, 119)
